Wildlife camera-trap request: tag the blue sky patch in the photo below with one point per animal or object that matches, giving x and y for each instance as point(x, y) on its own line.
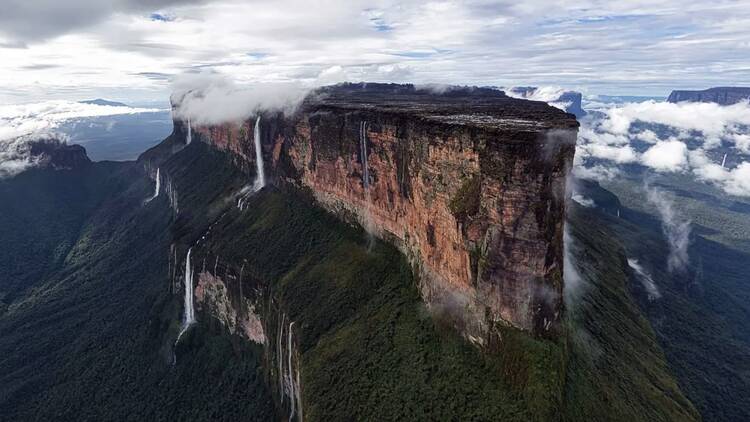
point(161, 17)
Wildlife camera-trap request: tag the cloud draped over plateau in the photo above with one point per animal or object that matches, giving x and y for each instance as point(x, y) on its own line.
point(211, 98)
point(670, 138)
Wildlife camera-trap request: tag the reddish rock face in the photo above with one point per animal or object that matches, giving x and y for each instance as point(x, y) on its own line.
point(469, 184)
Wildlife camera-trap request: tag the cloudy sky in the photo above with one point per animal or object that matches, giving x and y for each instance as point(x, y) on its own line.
point(131, 49)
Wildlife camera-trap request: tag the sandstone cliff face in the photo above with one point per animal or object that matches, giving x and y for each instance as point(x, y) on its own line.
point(720, 95)
point(469, 184)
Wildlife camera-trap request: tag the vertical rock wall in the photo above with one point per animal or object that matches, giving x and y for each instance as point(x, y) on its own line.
point(469, 184)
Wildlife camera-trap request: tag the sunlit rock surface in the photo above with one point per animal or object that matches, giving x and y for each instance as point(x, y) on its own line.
point(468, 183)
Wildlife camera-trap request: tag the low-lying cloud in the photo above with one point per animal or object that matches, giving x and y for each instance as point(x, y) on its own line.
point(209, 98)
point(21, 123)
point(675, 227)
point(646, 280)
point(548, 94)
point(669, 138)
point(670, 155)
point(574, 283)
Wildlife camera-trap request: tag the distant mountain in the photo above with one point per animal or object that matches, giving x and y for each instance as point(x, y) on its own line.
point(719, 95)
point(621, 99)
point(102, 102)
point(574, 100)
point(570, 101)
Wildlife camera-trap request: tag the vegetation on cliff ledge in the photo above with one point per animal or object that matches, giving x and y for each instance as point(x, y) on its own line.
point(101, 327)
point(466, 202)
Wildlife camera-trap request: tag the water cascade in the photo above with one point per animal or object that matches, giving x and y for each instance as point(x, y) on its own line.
point(189, 316)
point(157, 188)
point(260, 178)
point(368, 225)
point(292, 394)
point(648, 283)
point(244, 194)
point(363, 151)
point(172, 195)
point(189, 134)
point(280, 356)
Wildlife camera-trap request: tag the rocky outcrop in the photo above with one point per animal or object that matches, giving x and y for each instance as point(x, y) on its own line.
point(468, 183)
point(719, 95)
point(57, 154)
point(570, 101)
point(213, 296)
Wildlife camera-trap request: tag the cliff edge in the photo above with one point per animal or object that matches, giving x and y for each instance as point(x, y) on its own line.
point(719, 95)
point(469, 183)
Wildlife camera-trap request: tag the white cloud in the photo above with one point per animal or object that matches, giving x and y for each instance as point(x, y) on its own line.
point(211, 98)
point(583, 201)
point(620, 155)
point(668, 137)
point(597, 172)
point(712, 120)
point(37, 118)
point(21, 123)
point(647, 136)
point(738, 181)
point(594, 44)
point(547, 94)
point(741, 142)
point(666, 156)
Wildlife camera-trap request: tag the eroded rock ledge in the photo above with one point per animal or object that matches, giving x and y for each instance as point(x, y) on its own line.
point(468, 183)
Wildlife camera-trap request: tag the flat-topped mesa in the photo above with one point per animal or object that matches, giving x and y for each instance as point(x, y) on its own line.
point(468, 183)
point(718, 95)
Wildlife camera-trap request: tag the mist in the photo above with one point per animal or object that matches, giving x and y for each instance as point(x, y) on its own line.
point(547, 94)
point(573, 282)
point(646, 280)
point(675, 227)
point(211, 98)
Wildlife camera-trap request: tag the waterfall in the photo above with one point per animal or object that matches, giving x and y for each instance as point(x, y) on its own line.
point(648, 282)
point(298, 395)
point(158, 183)
point(172, 195)
point(260, 178)
point(280, 356)
point(724, 161)
point(291, 380)
point(363, 151)
point(289, 375)
point(189, 309)
point(189, 316)
point(244, 194)
point(157, 188)
point(368, 224)
point(189, 134)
